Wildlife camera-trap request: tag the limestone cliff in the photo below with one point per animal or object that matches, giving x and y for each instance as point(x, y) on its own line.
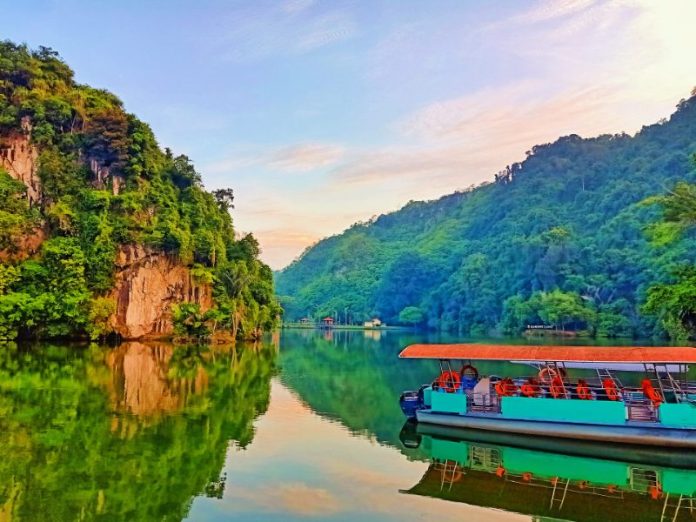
point(20, 159)
point(148, 283)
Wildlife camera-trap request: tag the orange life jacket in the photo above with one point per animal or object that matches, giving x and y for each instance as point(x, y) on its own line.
point(505, 387)
point(583, 390)
point(651, 393)
point(557, 387)
point(530, 388)
point(610, 387)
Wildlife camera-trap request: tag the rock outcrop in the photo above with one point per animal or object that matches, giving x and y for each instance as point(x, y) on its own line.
point(24, 247)
point(148, 283)
point(20, 159)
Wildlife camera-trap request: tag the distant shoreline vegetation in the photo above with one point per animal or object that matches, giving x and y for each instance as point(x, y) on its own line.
point(591, 235)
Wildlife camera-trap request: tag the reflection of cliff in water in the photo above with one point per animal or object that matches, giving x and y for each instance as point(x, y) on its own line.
point(550, 485)
point(143, 383)
point(126, 434)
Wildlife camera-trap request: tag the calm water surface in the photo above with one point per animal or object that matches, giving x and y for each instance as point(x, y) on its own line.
point(303, 426)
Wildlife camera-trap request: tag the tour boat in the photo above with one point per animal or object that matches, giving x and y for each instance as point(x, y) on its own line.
point(660, 411)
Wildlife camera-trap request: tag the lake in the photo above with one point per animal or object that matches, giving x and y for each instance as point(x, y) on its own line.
point(303, 426)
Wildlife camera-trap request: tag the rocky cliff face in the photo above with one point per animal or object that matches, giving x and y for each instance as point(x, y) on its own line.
point(20, 159)
point(148, 283)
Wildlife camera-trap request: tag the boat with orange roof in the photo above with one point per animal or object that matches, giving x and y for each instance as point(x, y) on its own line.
point(660, 411)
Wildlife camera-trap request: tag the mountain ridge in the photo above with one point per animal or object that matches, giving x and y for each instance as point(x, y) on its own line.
point(545, 207)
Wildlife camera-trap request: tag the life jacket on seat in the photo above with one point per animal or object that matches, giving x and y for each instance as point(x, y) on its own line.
point(557, 387)
point(610, 389)
point(505, 387)
point(583, 390)
point(651, 393)
point(530, 388)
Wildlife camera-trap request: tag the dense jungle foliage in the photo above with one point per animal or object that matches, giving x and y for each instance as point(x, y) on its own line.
point(674, 302)
point(105, 183)
point(561, 239)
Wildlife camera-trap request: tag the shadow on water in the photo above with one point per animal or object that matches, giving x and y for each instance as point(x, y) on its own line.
point(131, 433)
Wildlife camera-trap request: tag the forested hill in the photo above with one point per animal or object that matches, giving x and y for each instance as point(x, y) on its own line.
point(557, 239)
point(101, 230)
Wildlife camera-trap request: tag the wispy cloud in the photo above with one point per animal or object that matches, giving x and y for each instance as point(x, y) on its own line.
point(265, 29)
point(305, 157)
point(301, 157)
point(297, 6)
point(468, 139)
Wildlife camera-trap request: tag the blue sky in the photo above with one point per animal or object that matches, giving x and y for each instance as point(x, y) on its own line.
point(323, 113)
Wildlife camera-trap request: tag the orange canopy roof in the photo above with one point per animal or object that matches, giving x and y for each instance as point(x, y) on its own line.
point(510, 352)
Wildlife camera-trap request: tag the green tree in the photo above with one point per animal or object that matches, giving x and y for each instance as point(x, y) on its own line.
point(411, 315)
point(674, 303)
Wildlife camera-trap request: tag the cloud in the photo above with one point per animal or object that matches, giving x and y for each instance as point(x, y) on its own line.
point(266, 29)
point(328, 29)
point(468, 139)
point(305, 157)
point(281, 246)
point(545, 11)
point(297, 6)
point(301, 157)
point(591, 67)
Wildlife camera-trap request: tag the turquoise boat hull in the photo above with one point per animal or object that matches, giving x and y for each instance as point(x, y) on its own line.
point(645, 434)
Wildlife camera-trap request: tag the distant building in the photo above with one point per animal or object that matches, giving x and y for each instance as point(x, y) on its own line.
point(327, 322)
point(373, 323)
point(305, 320)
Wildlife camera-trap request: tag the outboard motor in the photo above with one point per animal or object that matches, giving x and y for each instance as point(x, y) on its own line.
point(411, 401)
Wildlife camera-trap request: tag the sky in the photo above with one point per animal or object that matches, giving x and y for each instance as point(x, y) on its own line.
point(324, 113)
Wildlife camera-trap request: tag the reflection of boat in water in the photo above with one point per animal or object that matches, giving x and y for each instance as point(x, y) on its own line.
point(547, 483)
point(659, 412)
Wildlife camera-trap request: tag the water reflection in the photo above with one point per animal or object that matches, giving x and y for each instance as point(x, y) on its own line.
point(302, 427)
point(126, 434)
point(549, 484)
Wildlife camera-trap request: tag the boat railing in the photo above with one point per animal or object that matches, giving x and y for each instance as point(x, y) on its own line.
point(482, 402)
